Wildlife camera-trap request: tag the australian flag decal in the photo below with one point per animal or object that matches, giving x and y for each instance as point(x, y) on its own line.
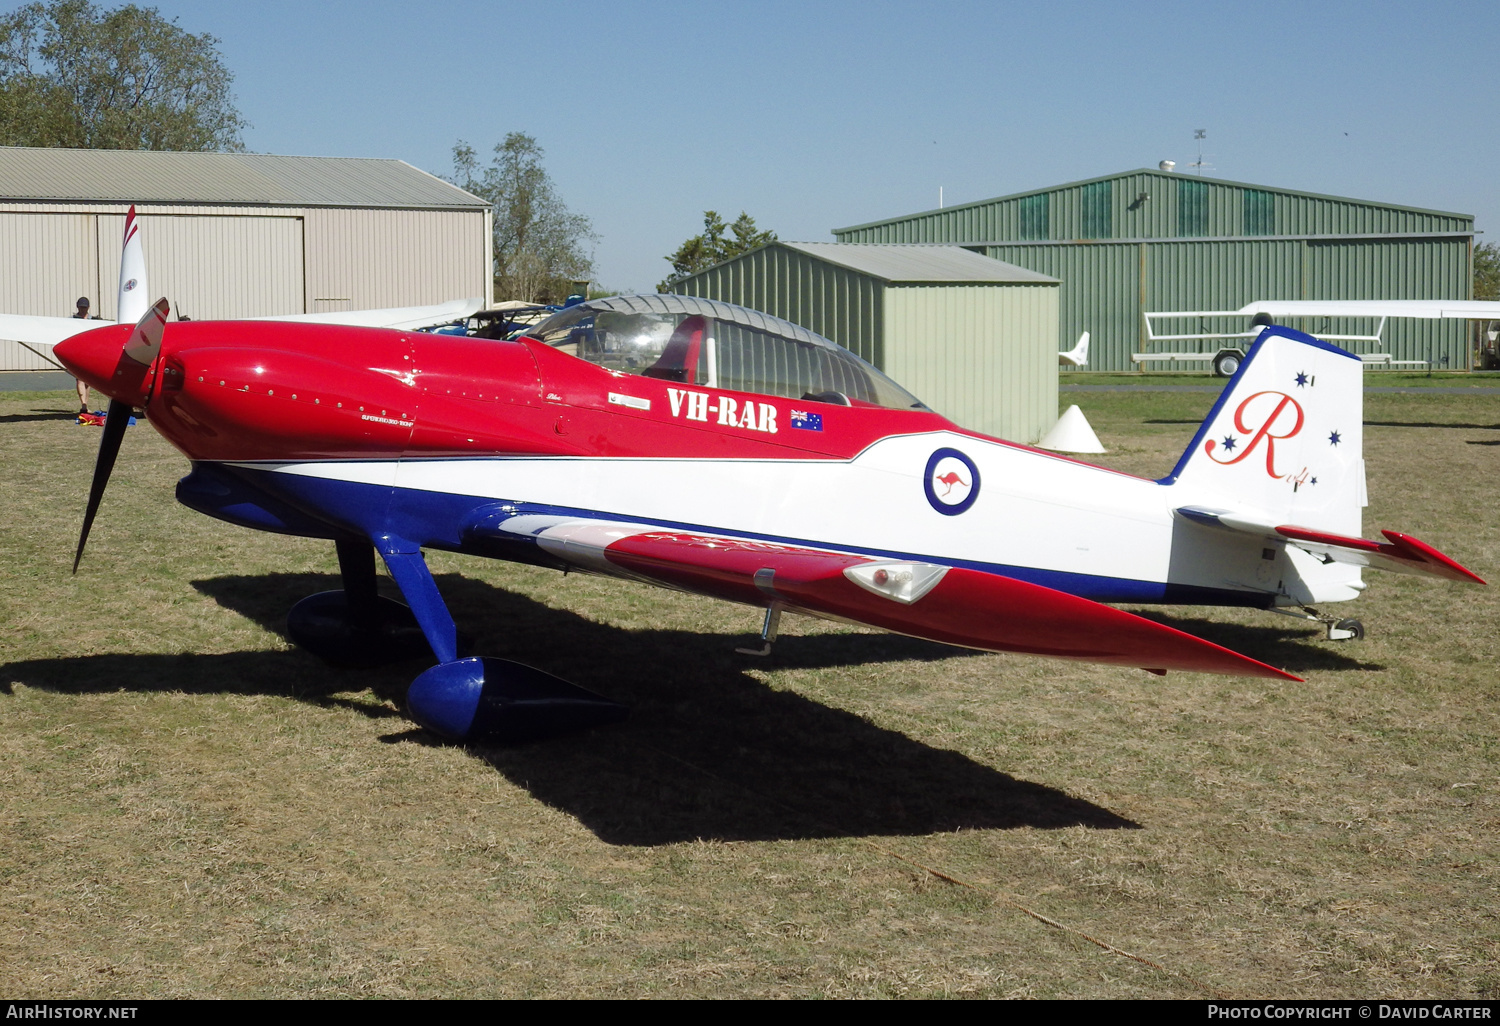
point(807, 421)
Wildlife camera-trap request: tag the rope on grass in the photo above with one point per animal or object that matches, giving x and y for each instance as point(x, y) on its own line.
point(1000, 896)
point(1006, 899)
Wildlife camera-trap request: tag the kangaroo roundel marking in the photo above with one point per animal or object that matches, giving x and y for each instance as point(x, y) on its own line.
point(951, 483)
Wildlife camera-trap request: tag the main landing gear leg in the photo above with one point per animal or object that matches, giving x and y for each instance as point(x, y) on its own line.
point(356, 626)
point(464, 699)
point(767, 632)
point(1338, 630)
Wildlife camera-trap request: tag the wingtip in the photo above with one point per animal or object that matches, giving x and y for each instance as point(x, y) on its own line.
point(1256, 668)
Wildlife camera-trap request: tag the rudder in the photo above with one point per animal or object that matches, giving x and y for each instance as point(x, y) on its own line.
point(1285, 441)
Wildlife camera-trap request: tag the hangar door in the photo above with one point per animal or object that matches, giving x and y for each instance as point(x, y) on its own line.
point(1394, 269)
point(46, 262)
point(210, 267)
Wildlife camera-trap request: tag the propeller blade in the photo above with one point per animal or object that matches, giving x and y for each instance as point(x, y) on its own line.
point(116, 420)
point(145, 340)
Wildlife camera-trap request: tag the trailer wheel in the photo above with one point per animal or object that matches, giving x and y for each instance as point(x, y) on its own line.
point(1227, 362)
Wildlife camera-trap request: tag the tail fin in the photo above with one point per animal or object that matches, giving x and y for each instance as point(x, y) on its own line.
point(1078, 356)
point(132, 303)
point(1285, 442)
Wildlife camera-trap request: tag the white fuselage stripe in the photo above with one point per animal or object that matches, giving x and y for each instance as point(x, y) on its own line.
point(1030, 510)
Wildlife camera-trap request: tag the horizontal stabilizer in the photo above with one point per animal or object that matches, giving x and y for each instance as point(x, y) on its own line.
point(1400, 553)
point(1226, 519)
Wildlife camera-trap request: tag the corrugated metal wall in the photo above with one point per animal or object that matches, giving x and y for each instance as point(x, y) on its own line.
point(833, 301)
point(46, 262)
point(1212, 275)
point(1415, 269)
point(210, 267)
point(1106, 286)
point(981, 355)
point(1157, 216)
point(1156, 256)
point(221, 261)
point(363, 259)
point(1098, 294)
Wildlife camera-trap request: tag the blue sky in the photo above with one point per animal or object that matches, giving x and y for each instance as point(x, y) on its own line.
point(815, 115)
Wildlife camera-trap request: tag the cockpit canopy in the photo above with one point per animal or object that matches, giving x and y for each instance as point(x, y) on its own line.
point(717, 345)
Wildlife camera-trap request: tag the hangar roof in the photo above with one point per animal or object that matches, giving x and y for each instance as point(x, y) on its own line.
point(155, 176)
point(916, 262)
point(1296, 212)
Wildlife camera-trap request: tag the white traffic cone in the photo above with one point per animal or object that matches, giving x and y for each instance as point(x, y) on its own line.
point(1071, 433)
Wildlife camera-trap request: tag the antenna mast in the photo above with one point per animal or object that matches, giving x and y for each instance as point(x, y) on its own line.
point(1199, 166)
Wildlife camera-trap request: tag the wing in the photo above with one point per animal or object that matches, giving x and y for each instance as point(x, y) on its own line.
point(1429, 309)
point(1400, 553)
point(40, 334)
point(954, 605)
point(403, 317)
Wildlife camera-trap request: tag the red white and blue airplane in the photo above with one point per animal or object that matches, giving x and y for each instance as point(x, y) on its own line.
point(713, 449)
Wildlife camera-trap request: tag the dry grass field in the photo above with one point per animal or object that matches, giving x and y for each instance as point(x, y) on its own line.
point(192, 808)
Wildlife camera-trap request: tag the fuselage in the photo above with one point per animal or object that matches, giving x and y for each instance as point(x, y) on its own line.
point(324, 430)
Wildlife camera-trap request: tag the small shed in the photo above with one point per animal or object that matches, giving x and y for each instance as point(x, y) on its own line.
point(973, 337)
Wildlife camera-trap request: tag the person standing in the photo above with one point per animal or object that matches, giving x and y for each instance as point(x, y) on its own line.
point(83, 390)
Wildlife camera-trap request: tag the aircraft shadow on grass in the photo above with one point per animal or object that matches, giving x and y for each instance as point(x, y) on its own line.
point(709, 751)
point(1376, 423)
point(1431, 424)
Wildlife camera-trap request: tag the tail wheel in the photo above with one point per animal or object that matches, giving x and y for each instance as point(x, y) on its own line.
point(1348, 630)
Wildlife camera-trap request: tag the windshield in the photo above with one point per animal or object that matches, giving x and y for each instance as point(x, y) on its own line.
point(717, 345)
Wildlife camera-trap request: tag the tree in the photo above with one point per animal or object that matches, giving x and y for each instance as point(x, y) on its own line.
point(1487, 270)
point(128, 79)
point(703, 251)
point(539, 243)
point(1486, 286)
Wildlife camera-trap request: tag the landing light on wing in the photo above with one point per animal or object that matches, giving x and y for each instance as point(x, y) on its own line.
point(899, 582)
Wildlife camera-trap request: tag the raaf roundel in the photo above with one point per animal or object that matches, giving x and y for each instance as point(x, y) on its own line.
point(707, 447)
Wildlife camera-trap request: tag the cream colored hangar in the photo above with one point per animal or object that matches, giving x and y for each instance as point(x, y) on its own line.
point(973, 338)
point(234, 235)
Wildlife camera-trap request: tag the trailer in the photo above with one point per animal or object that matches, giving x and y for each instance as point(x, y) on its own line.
point(1223, 350)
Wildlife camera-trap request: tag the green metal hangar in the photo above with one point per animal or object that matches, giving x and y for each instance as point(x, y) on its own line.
point(235, 234)
point(972, 337)
point(1146, 241)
